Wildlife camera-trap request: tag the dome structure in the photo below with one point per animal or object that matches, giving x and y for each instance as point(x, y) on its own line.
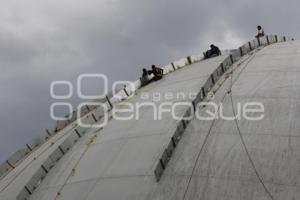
point(221, 128)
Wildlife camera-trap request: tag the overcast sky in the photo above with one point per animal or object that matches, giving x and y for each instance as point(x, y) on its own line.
point(43, 41)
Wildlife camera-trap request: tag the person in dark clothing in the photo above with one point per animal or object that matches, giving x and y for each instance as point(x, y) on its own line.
point(213, 52)
point(260, 32)
point(145, 77)
point(157, 72)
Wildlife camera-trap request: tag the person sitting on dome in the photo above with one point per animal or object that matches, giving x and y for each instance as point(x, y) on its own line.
point(145, 77)
point(213, 52)
point(260, 32)
point(157, 72)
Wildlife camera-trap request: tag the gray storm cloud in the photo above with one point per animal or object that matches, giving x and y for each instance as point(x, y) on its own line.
point(43, 41)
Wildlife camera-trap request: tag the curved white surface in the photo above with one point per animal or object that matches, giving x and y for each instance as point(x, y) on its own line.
point(210, 161)
point(125, 152)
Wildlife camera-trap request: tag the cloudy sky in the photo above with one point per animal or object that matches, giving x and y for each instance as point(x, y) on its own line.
point(48, 40)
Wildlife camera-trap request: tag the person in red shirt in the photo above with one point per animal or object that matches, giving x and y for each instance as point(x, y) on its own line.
point(157, 75)
point(157, 72)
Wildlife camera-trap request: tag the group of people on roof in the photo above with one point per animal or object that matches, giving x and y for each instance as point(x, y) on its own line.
point(212, 52)
point(157, 75)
